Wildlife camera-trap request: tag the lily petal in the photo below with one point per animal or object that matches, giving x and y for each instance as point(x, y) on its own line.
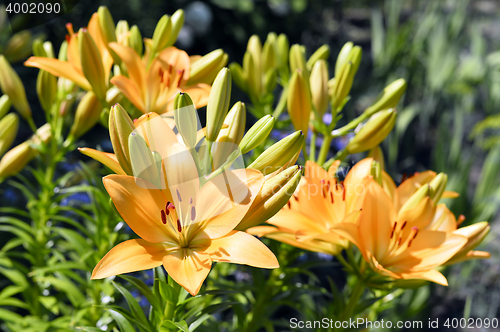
point(431, 275)
point(130, 256)
point(242, 248)
point(59, 68)
point(130, 90)
point(108, 159)
point(188, 268)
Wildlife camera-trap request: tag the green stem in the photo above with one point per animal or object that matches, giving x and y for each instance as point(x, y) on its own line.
point(325, 147)
point(32, 124)
point(350, 126)
point(357, 292)
point(312, 147)
point(170, 307)
point(281, 104)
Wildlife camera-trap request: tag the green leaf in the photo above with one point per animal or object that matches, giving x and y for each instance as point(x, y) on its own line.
point(122, 322)
point(10, 316)
point(182, 325)
point(133, 304)
point(155, 303)
point(167, 292)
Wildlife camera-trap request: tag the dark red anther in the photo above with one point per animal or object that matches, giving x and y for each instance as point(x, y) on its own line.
point(405, 176)
point(179, 227)
point(193, 213)
point(403, 226)
point(343, 193)
point(67, 38)
point(191, 200)
point(331, 197)
point(289, 204)
point(394, 229)
point(180, 73)
point(163, 217)
point(178, 195)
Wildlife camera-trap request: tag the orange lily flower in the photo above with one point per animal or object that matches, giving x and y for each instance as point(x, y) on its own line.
point(184, 227)
point(393, 244)
point(72, 69)
point(152, 87)
point(319, 203)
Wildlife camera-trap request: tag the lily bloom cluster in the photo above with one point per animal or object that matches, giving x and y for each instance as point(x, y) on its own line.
point(402, 232)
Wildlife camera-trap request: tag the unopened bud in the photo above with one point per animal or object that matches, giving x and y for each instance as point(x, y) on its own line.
point(342, 86)
point(120, 128)
point(8, 131)
point(254, 47)
point(257, 134)
point(18, 47)
point(279, 154)
point(253, 75)
point(319, 87)
point(106, 24)
point(343, 57)
point(177, 20)
point(229, 137)
point(205, 69)
point(92, 66)
point(299, 101)
point(11, 85)
point(373, 132)
point(142, 159)
point(135, 40)
point(321, 53)
point(269, 55)
point(87, 114)
point(475, 234)
point(389, 97)
point(46, 89)
point(218, 103)
point(14, 161)
point(162, 32)
point(5, 105)
point(122, 32)
point(238, 76)
point(438, 184)
point(282, 48)
point(38, 49)
point(298, 60)
point(186, 119)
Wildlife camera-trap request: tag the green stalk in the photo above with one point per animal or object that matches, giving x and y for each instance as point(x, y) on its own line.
point(325, 147)
point(312, 147)
point(357, 292)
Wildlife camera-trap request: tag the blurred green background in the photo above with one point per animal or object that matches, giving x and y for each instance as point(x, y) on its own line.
point(447, 50)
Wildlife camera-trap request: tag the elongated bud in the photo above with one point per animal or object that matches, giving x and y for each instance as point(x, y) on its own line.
point(299, 102)
point(270, 80)
point(415, 199)
point(279, 154)
point(142, 159)
point(377, 155)
point(205, 70)
point(475, 234)
point(162, 32)
point(218, 103)
point(438, 184)
point(238, 76)
point(18, 47)
point(269, 54)
point(177, 20)
point(389, 97)
point(254, 47)
point(106, 24)
point(38, 49)
point(122, 32)
point(135, 40)
point(253, 75)
point(229, 137)
point(373, 132)
point(13, 87)
point(87, 114)
point(343, 57)
point(319, 87)
point(257, 134)
point(342, 87)
point(8, 131)
point(283, 49)
point(274, 194)
point(46, 89)
point(355, 57)
point(92, 66)
point(5, 105)
point(186, 119)
point(49, 49)
point(120, 128)
point(321, 53)
point(298, 60)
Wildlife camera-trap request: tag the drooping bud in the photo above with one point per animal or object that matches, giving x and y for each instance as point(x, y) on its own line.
point(321, 53)
point(92, 66)
point(373, 132)
point(257, 134)
point(135, 40)
point(8, 131)
point(186, 119)
point(205, 69)
point(11, 85)
point(162, 32)
point(177, 20)
point(120, 127)
point(279, 154)
point(389, 97)
point(274, 194)
point(218, 103)
point(46, 89)
point(319, 87)
point(5, 105)
point(299, 101)
point(87, 114)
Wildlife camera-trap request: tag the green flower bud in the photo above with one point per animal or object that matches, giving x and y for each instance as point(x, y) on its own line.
point(319, 87)
point(14, 161)
point(373, 132)
point(270, 80)
point(298, 60)
point(186, 119)
point(11, 85)
point(122, 32)
point(63, 51)
point(92, 66)
point(343, 57)
point(299, 101)
point(321, 53)
point(18, 47)
point(38, 49)
point(106, 24)
point(142, 159)
point(274, 194)
point(177, 23)
point(376, 172)
point(254, 47)
point(342, 87)
point(162, 32)
point(49, 49)
point(253, 75)
point(279, 154)
point(8, 131)
point(5, 105)
point(218, 103)
point(120, 128)
point(415, 199)
point(269, 55)
point(257, 134)
point(46, 89)
point(282, 48)
point(135, 40)
point(238, 76)
point(389, 97)
point(205, 70)
point(87, 114)
point(438, 184)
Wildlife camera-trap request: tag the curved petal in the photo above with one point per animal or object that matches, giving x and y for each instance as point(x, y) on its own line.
point(444, 220)
point(199, 94)
point(409, 186)
point(420, 216)
point(130, 256)
point(242, 248)
point(292, 222)
point(59, 68)
point(108, 159)
point(134, 65)
point(188, 268)
point(140, 206)
point(130, 90)
point(431, 275)
point(95, 32)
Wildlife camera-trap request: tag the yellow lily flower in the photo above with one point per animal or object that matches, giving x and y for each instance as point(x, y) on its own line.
point(393, 243)
point(152, 87)
point(182, 226)
point(72, 68)
point(319, 203)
